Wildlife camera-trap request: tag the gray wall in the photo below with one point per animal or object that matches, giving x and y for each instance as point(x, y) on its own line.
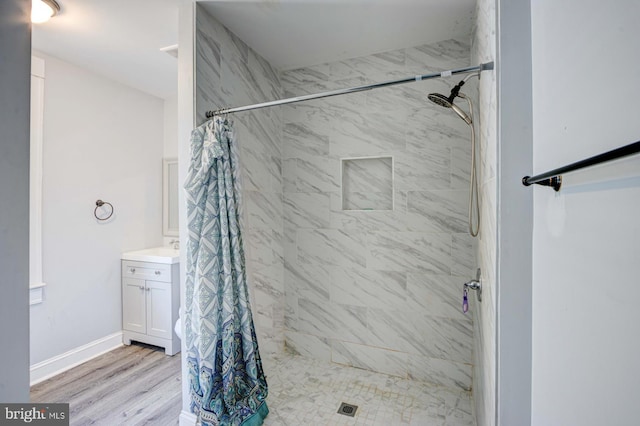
point(15, 60)
point(229, 73)
point(372, 287)
point(514, 213)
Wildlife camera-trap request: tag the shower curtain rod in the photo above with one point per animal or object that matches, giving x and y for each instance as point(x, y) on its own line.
point(466, 70)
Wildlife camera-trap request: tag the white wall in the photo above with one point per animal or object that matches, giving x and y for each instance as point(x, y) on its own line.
point(586, 238)
point(15, 40)
point(170, 133)
point(102, 140)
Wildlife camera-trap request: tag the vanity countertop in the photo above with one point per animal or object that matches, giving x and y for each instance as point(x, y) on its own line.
point(166, 255)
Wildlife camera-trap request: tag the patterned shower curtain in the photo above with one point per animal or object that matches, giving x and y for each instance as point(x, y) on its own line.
point(226, 380)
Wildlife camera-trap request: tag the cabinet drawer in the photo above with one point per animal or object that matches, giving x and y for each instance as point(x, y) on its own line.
point(146, 271)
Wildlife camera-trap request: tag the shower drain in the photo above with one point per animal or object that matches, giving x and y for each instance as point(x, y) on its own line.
point(347, 409)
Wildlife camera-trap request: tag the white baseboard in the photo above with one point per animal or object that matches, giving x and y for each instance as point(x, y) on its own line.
point(187, 418)
point(63, 362)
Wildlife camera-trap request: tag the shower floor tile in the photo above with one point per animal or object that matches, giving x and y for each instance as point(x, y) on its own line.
point(305, 391)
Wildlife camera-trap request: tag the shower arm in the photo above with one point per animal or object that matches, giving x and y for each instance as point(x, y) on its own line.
point(455, 91)
point(475, 74)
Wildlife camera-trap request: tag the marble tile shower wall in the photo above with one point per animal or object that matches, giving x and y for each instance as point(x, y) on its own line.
point(379, 289)
point(483, 50)
point(229, 73)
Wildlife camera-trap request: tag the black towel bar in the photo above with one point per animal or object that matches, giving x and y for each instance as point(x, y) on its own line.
point(553, 178)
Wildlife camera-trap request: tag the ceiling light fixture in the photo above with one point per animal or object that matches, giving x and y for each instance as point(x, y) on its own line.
point(43, 10)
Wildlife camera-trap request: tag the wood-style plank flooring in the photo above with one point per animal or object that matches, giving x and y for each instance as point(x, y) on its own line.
point(132, 385)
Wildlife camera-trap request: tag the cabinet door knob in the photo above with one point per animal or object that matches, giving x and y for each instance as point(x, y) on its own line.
point(141, 287)
point(148, 289)
point(132, 270)
point(158, 272)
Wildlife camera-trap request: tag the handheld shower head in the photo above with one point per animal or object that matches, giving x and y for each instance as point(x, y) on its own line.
point(446, 102)
point(439, 99)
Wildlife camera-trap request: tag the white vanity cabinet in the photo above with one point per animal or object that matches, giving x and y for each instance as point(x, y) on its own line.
point(150, 300)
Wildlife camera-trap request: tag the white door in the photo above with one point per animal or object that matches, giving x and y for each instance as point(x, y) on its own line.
point(133, 305)
point(159, 309)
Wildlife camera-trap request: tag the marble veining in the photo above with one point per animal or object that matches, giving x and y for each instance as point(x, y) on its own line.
point(439, 371)
point(256, 177)
point(420, 170)
point(381, 66)
point(352, 323)
point(305, 391)
point(367, 174)
point(229, 73)
point(210, 52)
point(299, 138)
point(264, 209)
point(463, 257)
point(484, 386)
point(367, 184)
point(377, 290)
point(304, 76)
point(331, 247)
point(398, 330)
point(354, 102)
point(410, 251)
point(316, 317)
point(308, 280)
point(438, 211)
point(437, 125)
point(367, 135)
point(307, 210)
point(460, 166)
point(367, 288)
point(263, 133)
point(259, 247)
point(368, 201)
point(313, 111)
point(375, 359)
point(308, 345)
point(439, 56)
point(391, 299)
point(314, 174)
point(362, 221)
point(438, 295)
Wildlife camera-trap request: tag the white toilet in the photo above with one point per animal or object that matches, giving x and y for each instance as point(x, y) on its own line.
point(178, 325)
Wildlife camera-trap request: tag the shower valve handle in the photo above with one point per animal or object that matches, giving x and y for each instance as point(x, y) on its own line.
point(474, 285)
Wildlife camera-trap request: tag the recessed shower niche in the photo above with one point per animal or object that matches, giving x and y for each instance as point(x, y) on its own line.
point(367, 183)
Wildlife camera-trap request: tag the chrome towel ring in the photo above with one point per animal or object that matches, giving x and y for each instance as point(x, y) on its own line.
point(100, 203)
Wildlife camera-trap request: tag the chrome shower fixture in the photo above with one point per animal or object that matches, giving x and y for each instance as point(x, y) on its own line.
point(443, 101)
point(448, 102)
